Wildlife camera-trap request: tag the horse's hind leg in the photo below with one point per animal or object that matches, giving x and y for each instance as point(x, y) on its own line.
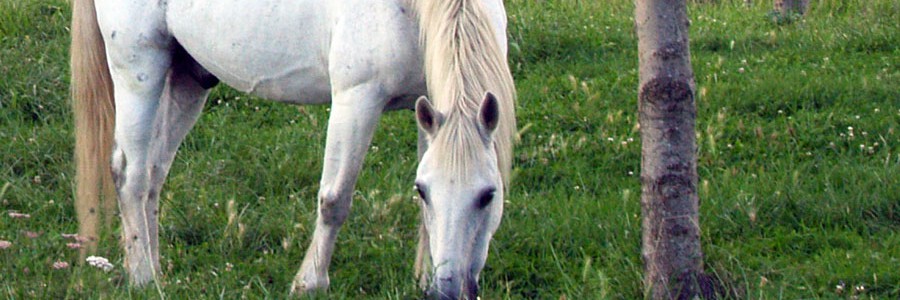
point(137, 93)
point(156, 104)
point(148, 134)
point(139, 57)
point(354, 116)
point(180, 105)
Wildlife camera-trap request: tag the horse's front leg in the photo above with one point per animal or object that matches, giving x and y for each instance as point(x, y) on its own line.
point(354, 115)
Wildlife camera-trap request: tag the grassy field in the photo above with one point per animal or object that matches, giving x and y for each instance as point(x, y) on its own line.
point(799, 163)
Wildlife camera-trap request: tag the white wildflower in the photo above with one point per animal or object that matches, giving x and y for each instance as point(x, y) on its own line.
point(100, 262)
point(16, 215)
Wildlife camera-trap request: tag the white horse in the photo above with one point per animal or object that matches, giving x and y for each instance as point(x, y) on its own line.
point(146, 66)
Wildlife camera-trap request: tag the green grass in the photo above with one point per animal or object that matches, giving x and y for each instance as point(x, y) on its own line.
point(792, 204)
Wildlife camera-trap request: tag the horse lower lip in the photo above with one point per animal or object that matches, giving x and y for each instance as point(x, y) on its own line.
point(435, 293)
point(443, 295)
point(472, 289)
point(448, 288)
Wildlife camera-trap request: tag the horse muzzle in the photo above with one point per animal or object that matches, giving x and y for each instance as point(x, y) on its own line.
point(454, 287)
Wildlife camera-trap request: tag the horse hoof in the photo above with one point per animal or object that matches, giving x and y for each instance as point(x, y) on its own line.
point(307, 286)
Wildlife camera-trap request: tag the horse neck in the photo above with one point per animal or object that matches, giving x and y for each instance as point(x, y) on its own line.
point(463, 61)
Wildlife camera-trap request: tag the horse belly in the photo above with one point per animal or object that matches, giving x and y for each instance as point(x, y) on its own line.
point(276, 49)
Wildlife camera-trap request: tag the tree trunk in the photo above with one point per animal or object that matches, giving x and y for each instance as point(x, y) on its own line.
point(791, 7)
point(673, 261)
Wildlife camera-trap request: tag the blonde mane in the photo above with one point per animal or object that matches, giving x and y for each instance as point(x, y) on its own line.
point(463, 61)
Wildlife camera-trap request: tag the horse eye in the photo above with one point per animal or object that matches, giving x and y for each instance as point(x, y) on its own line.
point(421, 189)
point(485, 197)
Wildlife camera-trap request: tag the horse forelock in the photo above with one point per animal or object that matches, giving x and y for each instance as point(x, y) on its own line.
point(463, 61)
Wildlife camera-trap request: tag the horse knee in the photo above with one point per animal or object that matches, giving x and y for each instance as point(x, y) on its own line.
point(334, 207)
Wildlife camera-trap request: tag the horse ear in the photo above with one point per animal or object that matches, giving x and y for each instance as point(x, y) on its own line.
point(429, 120)
point(489, 115)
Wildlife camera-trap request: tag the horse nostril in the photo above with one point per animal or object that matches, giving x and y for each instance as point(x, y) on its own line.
point(443, 294)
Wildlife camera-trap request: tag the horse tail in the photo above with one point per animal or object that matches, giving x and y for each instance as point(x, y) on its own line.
point(94, 110)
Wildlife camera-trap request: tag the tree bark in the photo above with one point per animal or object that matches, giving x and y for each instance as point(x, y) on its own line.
point(791, 7)
point(673, 261)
